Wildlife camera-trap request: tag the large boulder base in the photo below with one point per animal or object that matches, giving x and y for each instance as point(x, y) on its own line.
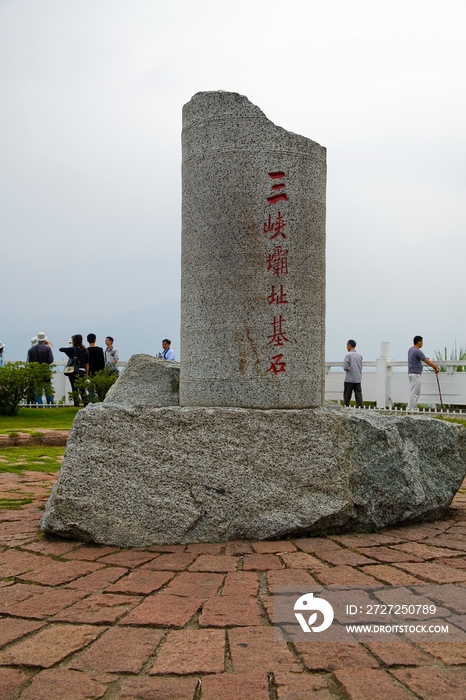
point(136, 476)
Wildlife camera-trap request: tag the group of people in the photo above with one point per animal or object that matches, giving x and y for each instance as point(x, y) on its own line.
point(88, 360)
point(352, 365)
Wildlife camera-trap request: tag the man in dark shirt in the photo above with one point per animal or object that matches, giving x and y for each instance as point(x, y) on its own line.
point(96, 355)
point(415, 359)
point(42, 353)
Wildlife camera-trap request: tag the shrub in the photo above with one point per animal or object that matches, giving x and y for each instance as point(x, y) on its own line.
point(19, 381)
point(455, 354)
point(96, 385)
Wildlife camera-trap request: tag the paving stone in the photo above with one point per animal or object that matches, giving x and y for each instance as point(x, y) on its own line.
point(361, 540)
point(191, 651)
point(391, 575)
point(456, 562)
point(48, 602)
point(301, 686)
point(119, 650)
point(328, 656)
point(370, 683)
point(388, 554)
point(424, 551)
point(163, 610)
point(51, 547)
point(456, 542)
point(413, 532)
point(99, 608)
point(177, 561)
point(144, 688)
point(141, 581)
point(261, 562)
point(12, 629)
point(289, 577)
point(436, 573)
point(451, 596)
point(205, 548)
point(450, 653)
point(433, 683)
point(61, 684)
point(345, 576)
point(57, 573)
point(245, 583)
point(302, 560)
point(220, 562)
point(14, 563)
point(235, 547)
point(255, 649)
point(99, 579)
point(241, 686)
point(344, 557)
point(11, 682)
point(49, 645)
point(197, 585)
point(16, 592)
point(128, 557)
point(316, 544)
point(90, 553)
point(399, 654)
point(274, 547)
point(166, 548)
point(226, 611)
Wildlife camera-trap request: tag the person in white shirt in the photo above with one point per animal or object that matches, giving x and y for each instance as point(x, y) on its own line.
point(111, 355)
point(352, 364)
point(167, 353)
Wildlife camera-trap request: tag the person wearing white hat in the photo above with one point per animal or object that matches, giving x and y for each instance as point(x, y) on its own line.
point(42, 353)
point(2, 345)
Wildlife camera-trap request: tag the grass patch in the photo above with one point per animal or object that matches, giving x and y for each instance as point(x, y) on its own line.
point(17, 460)
point(14, 504)
point(460, 421)
point(29, 419)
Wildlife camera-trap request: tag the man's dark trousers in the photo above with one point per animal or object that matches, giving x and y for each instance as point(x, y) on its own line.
point(349, 387)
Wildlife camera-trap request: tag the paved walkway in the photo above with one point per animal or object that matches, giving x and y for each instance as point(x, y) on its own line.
point(194, 622)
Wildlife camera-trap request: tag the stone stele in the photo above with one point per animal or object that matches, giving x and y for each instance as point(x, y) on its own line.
point(142, 475)
point(253, 259)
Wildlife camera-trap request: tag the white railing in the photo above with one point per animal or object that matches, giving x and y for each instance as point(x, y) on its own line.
point(384, 381)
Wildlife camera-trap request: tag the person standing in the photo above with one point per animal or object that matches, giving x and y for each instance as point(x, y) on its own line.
point(111, 355)
point(352, 364)
point(415, 359)
point(2, 345)
point(79, 353)
point(96, 355)
point(167, 353)
point(42, 353)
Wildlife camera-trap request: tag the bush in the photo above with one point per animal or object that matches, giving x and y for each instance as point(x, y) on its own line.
point(96, 385)
point(19, 381)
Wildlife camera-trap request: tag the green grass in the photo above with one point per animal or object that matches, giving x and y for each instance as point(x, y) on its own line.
point(17, 460)
point(453, 420)
point(30, 419)
point(14, 503)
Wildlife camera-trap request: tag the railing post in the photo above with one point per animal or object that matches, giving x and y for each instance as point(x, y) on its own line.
point(382, 395)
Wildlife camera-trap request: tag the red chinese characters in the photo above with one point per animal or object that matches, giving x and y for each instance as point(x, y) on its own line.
point(277, 264)
point(278, 186)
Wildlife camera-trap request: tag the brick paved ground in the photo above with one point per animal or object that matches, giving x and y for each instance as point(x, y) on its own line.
point(193, 622)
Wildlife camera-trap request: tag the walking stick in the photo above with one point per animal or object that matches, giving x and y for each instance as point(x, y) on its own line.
point(440, 393)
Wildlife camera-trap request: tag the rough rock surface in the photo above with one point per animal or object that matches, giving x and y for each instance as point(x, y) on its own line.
point(147, 381)
point(140, 476)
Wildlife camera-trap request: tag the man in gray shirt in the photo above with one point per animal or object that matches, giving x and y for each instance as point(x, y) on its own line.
point(415, 359)
point(352, 364)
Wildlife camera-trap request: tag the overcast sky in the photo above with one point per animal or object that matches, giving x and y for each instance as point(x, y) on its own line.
point(90, 168)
